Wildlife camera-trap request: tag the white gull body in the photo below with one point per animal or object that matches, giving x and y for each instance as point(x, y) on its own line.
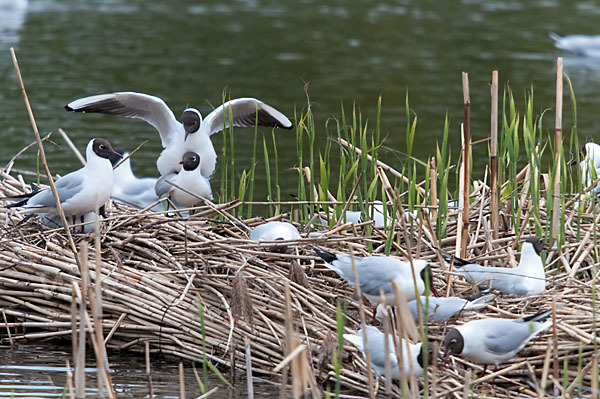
point(589, 166)
point(582, 45)
point(375, 213)
point(443, 308)
point(82, 191)
point(528, 278)
point(132, 190)
point(376, 273)
point(189, 186)
point(376, 344)
point(494, 340)
point(275, 231)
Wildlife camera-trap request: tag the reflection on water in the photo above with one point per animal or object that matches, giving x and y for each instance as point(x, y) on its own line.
point(31, 371)
point(13, 15)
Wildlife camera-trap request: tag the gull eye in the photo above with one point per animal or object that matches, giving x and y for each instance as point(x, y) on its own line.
point(453, 341)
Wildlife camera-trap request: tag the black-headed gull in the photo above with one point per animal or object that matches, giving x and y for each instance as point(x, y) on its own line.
point(375, 213)
point(376, 344)
point(494, 340)
point(589, 166)
point(80, 192)
point(529, 278)
point(376, 273)
point(583, 45)
point(132, 190)
point(443, 308)
point(275, 231)
point(189, 185)
point(193, 133)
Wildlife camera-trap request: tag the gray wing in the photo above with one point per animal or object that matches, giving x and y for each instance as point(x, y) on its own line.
point(376, 342)
point(507, 280)
point(244, 113)
point(375, 273)
point(162, 188)
point(132, 105)
point(505, 336)
point(67, 187)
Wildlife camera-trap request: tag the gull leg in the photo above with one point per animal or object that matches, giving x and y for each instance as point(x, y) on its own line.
point(374, 320)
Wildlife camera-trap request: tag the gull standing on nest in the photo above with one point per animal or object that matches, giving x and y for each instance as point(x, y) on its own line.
point(80, 192)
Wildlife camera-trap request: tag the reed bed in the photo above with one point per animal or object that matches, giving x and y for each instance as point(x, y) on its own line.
point(156, 270)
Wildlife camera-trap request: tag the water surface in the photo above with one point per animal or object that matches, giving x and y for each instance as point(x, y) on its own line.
point(39, 371)
point(189, 52)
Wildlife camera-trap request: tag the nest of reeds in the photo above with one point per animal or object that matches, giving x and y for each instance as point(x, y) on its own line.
point(157, 271)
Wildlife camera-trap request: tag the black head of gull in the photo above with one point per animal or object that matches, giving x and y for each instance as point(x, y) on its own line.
point(190, 161)
point(191, 120)
point(454, 343)
point(103, 149)
point(537, 244)
point(431, 346)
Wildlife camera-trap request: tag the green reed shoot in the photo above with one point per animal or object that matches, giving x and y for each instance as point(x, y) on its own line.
point(338, 353)
point(268, 176)
point(277, 186)
point(251, 174)
point(443, 172)
point(200, 306)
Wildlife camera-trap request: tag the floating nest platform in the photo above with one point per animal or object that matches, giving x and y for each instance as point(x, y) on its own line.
point(157, 270)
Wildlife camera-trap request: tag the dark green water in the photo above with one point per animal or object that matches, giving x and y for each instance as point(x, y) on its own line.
point(188, 52)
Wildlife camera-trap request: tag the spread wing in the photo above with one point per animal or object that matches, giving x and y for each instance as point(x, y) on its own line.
point(245, 112)
point(132, 105)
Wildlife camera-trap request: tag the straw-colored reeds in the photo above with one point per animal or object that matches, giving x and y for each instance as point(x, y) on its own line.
point(156, 270)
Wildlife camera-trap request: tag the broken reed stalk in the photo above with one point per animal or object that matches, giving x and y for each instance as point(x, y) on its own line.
point(494, 156)
point(249, 368)
point(347, 204)
point(42, 152)
point(434, 193)
point(70, 381)
point(385, 320)
point(382, 165)
point(465, 160)
point(77, 153)
point(557, 147)
point(80, 363)
point(148, 369)
point(130, 154)
point(181, 381)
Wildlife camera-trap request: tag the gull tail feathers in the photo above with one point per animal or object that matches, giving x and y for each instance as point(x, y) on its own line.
point(458, 262)
point(23, 197)
point(539, 316)
point(357, 340)
point(555, 36)
point(480, 302)
point(326, 256)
